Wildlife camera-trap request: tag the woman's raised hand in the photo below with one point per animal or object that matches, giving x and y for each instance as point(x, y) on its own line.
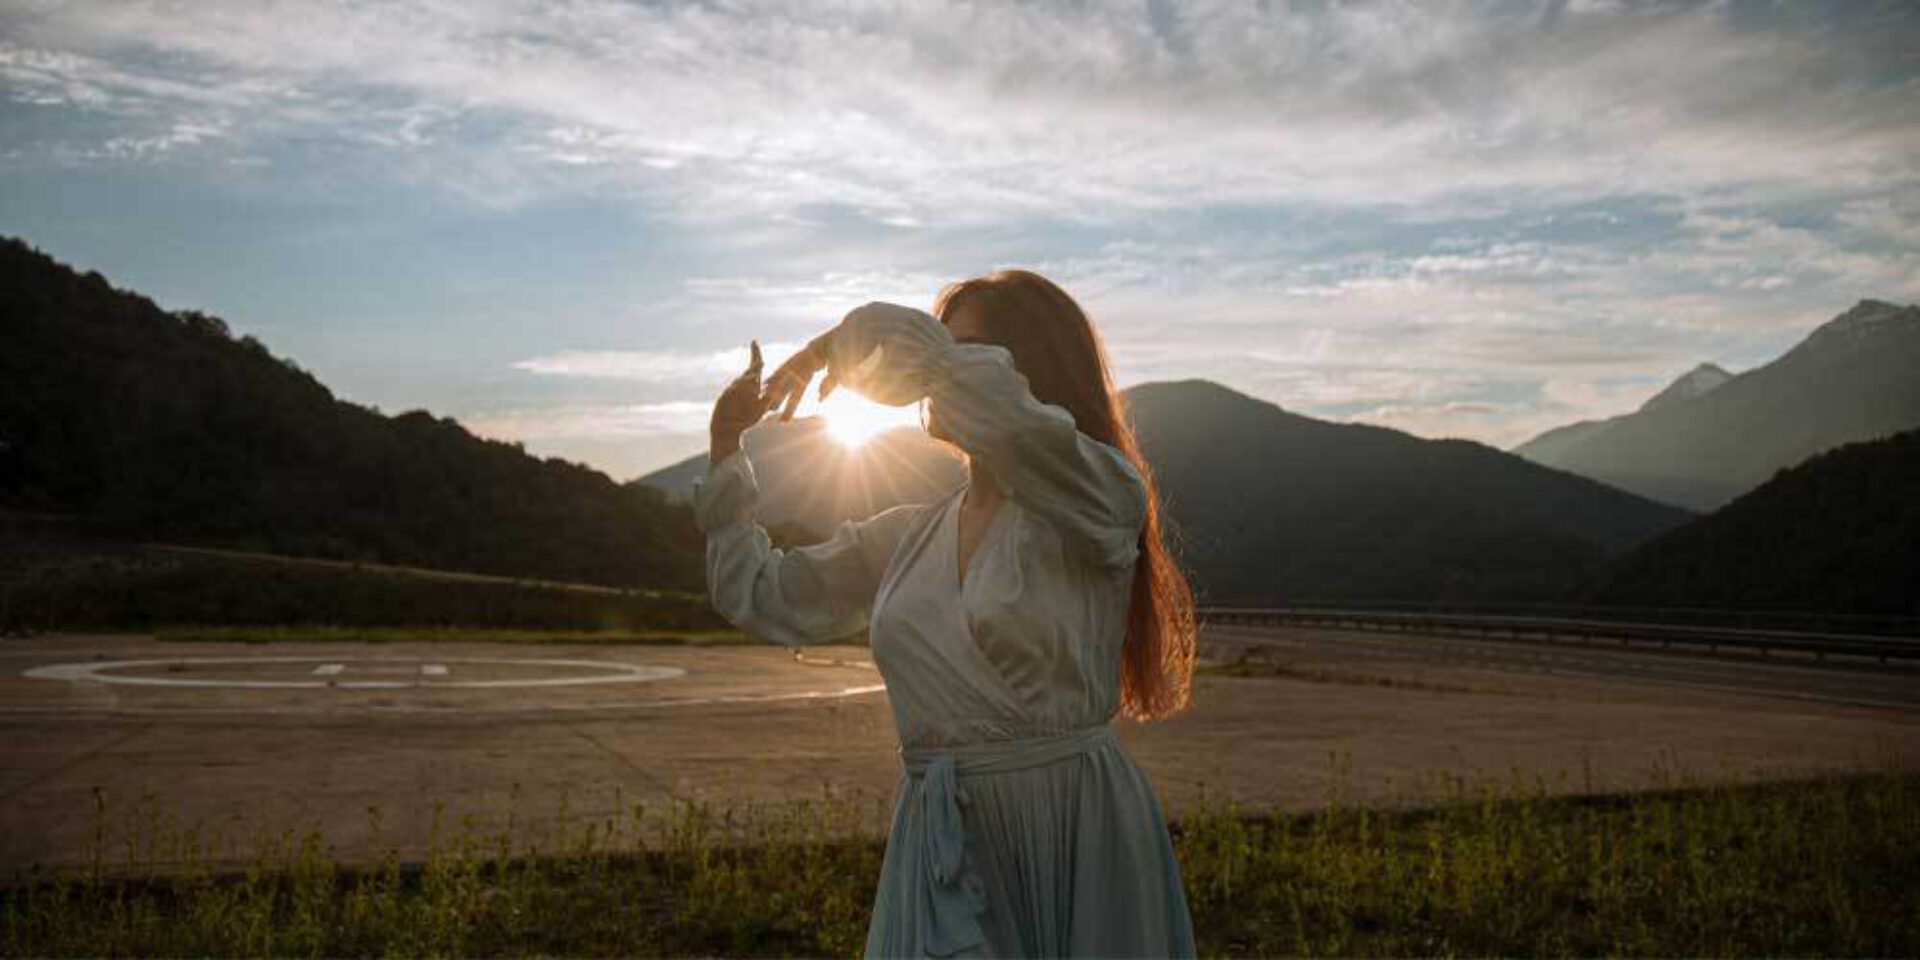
point(740, 406)
point(788, 385)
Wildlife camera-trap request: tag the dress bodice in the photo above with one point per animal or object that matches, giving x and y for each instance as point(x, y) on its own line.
point(1028, 646)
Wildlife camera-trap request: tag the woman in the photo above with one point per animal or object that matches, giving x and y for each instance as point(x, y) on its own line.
point(1011, 620)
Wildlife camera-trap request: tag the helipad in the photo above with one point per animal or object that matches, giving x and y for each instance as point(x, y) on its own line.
point(362, 673)
point(138, 677)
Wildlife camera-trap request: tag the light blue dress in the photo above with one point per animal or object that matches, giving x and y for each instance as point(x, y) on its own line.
point(1021, 826)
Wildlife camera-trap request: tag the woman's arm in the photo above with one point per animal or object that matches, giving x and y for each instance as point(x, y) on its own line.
point(810, 594)
point(1090, 492)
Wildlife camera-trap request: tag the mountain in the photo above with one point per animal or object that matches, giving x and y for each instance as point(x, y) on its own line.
point(1559, 442)
point(1267, 505)
point(163, 426)
point(1693, 384)
point(811, 481)
point(676, 481)
point(1274, 506)
point(1712, 436)
point(1839, 533)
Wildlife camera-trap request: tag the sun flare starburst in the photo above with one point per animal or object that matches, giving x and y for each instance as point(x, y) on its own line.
point(853, 419)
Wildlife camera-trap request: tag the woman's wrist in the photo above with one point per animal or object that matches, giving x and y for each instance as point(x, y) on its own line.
point(721, 447)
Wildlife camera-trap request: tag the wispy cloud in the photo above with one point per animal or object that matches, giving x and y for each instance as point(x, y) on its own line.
point(657, 366)
point(913, 112)
point(595, 422)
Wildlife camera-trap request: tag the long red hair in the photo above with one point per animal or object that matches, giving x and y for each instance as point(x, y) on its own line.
point(1055, 347)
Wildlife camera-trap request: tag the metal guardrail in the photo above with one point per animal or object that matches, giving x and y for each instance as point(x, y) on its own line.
point(1744, 618)
point(1884, 649)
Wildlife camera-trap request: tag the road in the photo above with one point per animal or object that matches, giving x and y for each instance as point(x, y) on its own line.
point(1803, 679)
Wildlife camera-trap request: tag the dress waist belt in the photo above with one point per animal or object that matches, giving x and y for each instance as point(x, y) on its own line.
point(954, 895)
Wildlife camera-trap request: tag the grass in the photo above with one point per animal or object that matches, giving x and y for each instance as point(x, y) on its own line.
point(1826, 866)
point(336, 634)
point(1820, 867)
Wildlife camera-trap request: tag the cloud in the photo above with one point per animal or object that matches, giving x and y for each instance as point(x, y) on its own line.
point(182, 134)
point(817, 299)
point(606, 421)
point(656, 366)
point(953, 112)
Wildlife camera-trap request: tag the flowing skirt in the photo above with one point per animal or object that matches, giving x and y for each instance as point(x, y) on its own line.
point(1032, 848)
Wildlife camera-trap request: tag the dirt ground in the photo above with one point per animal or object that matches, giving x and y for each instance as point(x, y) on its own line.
point(253, 739)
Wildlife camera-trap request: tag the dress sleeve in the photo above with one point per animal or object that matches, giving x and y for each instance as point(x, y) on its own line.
point(811, 594)
point(1088, 490)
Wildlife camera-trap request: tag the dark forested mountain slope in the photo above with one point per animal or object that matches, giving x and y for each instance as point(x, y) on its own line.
point(1268, 505)
point(1277, 506)
point(167, 427)
point(1710, 437)
point(1839, 533)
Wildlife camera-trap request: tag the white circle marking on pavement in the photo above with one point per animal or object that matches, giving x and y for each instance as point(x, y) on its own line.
point(98, 672)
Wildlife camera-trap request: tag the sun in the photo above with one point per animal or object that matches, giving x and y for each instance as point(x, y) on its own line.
point(853, 419)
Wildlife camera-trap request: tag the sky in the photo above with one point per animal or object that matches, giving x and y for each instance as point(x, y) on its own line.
point(561, 223)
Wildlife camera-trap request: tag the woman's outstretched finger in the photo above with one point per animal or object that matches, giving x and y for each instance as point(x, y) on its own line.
point(774, 385)
point(752, 373)
point(793, 399)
